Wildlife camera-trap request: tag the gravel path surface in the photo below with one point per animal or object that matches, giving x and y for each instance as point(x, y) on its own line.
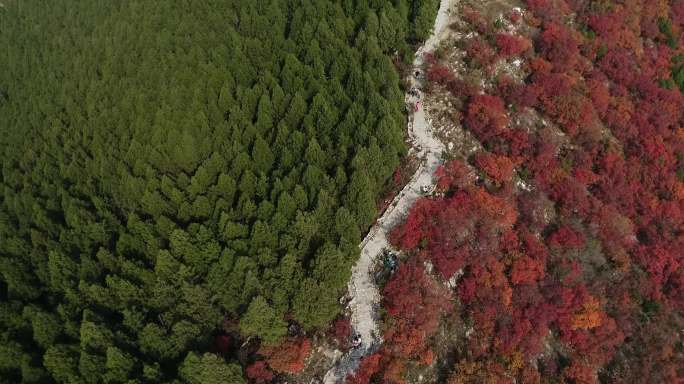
point(365, 298)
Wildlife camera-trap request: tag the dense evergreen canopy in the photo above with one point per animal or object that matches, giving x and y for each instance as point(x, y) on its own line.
point(170, 164)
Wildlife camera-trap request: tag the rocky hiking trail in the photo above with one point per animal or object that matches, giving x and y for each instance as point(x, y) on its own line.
point(365, 298)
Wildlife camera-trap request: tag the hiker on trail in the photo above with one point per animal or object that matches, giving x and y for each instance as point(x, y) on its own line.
point(390, 261)
point(356, 341)
point(417, 105)
point(415, 92)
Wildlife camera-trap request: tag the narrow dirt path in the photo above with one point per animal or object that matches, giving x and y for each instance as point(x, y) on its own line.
point(365, 298)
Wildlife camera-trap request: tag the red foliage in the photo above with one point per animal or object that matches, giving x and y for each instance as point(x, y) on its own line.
point(617, 235)
point(620, 66)
point(454, 175)
point(492, 283)
point(510, 45)
point(397, 177)
point(223, 343)
point(393, 371)
point(408, 236)
point(603, 193)
point(529, 375)
point(445, 225)
point(527, 270)
point(495, 212)
point(408, 289)
point(601, 342)
point(548, 10)
point(415, 303)
point(566, 237)
point(585, 176)
point(678, 13)
point(475, 19)
point(462, 89)
point(580, 373)
point(259, 372)
point(599, 94)
point(508, 87)
point(480, 52)
point(534, 248)
point(439, 74)
point(660, 262)
point(370, 365)
point(619, 27)
point(341, 330)
point(289, 356)
point(525, 96)
point(560, 46)
point(539, 65)
point(499, 168)
point(518, 141)
point(561, 100)
point(659, 61)
point(486, 117)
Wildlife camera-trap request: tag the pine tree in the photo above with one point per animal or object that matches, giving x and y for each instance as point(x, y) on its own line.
point(262, 155)
point(263, 321)
point(359, 197)
point(209, 369)
point(164, 181)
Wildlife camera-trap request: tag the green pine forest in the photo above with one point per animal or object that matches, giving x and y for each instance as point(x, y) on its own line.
point(171, 165)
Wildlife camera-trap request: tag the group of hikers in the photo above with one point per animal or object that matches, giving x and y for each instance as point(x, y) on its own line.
point(389, 257)
point(415, 94)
